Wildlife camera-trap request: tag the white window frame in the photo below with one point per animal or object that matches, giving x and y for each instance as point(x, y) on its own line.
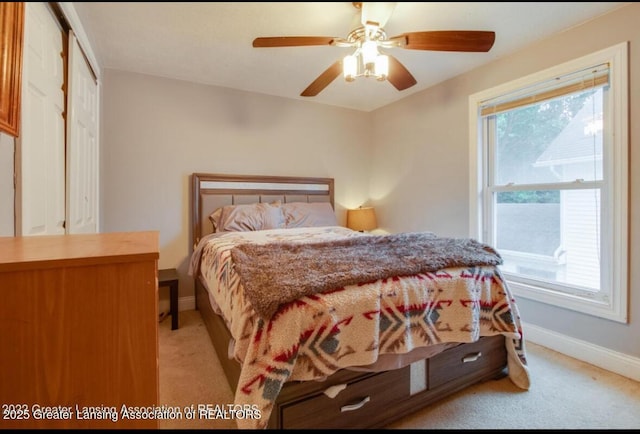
point(615, 279)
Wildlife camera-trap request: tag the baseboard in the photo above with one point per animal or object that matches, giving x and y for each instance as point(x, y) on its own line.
point(186, 303)
point(622, 364)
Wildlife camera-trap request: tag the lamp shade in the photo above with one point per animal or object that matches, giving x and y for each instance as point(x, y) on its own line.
point(350, 67)
point(362, 219)
point(382, 67)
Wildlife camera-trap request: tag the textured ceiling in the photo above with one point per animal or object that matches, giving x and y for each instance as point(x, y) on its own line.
point(211, 42)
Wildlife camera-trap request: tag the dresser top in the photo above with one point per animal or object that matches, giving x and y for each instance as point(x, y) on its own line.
point(44, 251)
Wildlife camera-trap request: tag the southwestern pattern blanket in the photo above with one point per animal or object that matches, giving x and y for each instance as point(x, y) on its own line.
point(317, 334)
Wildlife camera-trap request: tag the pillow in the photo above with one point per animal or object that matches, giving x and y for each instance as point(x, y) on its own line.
point(215, 219)
point(303, 214)
point(247, 217)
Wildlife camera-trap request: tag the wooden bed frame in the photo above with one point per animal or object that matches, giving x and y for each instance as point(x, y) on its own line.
point(371, 399)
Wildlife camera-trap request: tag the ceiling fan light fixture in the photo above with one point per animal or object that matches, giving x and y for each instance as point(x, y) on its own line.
point(354, 66)
point(382, 67)
point(350, 67)
point(368, 36)
point(369, 52)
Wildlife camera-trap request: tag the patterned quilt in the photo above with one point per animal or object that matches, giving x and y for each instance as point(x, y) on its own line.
point(316, 335)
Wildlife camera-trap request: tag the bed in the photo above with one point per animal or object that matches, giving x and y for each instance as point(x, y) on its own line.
point(327, 347)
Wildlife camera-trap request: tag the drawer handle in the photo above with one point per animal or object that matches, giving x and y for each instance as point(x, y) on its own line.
point(472, 357)
point(353, 407)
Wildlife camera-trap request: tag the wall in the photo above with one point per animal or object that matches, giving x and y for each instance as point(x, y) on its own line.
point(156, 132)
point(422, 181)
point(6, 185)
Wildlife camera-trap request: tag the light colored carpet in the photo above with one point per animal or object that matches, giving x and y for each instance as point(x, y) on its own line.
point(565, 393)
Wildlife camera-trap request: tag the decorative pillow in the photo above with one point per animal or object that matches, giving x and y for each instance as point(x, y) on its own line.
point(303, 214)
point(247, 217)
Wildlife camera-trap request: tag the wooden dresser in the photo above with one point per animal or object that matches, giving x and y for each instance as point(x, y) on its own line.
point(78, 330)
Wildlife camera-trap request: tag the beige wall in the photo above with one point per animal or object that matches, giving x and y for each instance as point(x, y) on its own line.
point(420, 162)
point(6, 185)
point(156, 132)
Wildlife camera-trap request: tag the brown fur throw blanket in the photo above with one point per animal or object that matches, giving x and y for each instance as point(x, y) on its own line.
point(279, 272)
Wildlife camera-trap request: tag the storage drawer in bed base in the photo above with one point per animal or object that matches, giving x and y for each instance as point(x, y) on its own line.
point(358, 404)
point(375, 400)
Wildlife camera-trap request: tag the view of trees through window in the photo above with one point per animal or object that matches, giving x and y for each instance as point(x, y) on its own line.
point(522, 136)
point(547, 230)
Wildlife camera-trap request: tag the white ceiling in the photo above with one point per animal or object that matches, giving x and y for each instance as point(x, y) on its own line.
point(211, 42)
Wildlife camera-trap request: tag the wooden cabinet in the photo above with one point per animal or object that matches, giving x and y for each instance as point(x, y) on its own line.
point(78, 329)
point(11, 35)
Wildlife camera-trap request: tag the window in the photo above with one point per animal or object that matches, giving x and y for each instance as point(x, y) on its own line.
point(549, 182)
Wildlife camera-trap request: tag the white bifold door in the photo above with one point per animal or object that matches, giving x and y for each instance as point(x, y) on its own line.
point(40, 154)
point(82, 144)
point(57, 152)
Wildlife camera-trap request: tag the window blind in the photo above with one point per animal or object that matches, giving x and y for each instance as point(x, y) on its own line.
point(589, 78)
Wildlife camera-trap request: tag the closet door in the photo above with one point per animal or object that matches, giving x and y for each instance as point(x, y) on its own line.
point(40, 154)
point(82, 143)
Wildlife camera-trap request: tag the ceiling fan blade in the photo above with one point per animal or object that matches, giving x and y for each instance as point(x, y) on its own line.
point(323, 79)
point(292, 41)
point(448, 40)
point(377, 13)
point(399, 76)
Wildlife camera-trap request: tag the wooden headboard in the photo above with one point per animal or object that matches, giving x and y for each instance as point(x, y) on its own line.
point(211, 191)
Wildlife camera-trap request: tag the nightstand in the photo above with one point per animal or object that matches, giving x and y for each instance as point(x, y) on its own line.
point(169, 277)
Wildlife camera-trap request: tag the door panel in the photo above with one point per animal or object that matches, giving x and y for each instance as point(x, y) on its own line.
point(40, 156)
point(82, 144)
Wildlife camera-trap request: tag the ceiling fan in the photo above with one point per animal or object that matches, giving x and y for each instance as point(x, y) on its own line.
point(368, 38)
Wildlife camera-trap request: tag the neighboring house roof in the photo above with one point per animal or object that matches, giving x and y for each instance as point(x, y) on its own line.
point(575, 143)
